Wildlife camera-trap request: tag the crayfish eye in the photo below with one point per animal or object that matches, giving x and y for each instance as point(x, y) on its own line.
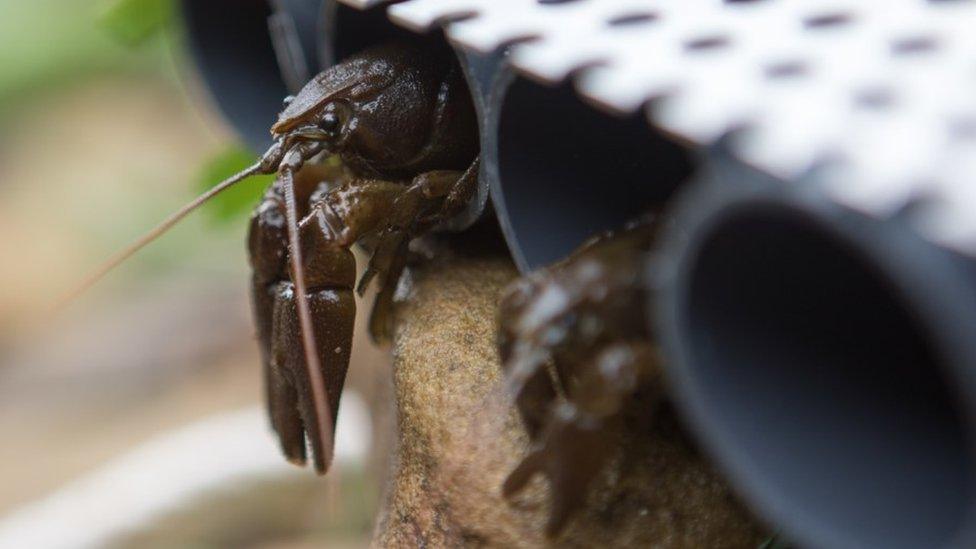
point(330, 123)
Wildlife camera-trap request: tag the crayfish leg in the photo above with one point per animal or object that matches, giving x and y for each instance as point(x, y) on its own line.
point(570, 454)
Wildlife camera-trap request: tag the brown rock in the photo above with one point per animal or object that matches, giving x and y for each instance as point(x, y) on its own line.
point(459, 437)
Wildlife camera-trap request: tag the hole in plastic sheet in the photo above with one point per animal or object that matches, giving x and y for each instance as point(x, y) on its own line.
point(963, 128)
point(914, 45)
point(786, 69)
point(523, 39)
point(708, 43)
point(633, 19)
point(457, 17)
point(827, 20)
point(874, 98)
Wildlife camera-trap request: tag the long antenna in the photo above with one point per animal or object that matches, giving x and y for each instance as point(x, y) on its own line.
point(320, 399)
point(157, 231)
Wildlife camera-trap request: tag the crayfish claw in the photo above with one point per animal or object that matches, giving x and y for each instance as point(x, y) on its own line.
point(286, 421)
point(333, 313)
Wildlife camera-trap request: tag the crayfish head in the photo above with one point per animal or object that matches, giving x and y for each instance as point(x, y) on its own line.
point(329, 126)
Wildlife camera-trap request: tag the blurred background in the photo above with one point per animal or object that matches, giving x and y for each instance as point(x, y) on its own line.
point(133, 418)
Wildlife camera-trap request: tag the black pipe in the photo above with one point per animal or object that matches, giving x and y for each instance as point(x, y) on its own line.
point(825, 358)
point(231, 44)
point(561, 171)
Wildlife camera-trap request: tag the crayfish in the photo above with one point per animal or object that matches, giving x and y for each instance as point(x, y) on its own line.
point(400, 119)
point(579, 362)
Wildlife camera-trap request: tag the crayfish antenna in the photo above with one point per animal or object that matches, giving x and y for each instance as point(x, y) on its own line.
point(320, 399)
point(157, 231)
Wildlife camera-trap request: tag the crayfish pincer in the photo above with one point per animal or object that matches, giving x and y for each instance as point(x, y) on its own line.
point(399, 117)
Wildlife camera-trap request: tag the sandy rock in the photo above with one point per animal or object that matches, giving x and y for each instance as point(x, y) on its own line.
point(459, 437)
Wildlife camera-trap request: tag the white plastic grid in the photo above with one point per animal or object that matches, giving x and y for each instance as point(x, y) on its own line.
point(880, 93)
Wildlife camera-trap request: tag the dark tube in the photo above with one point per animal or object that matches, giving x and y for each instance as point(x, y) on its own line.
point(826, 359)
point(231, 44)
point(560, 170)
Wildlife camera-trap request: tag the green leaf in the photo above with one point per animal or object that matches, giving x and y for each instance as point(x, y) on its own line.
point(236, 202)
point(133, 22)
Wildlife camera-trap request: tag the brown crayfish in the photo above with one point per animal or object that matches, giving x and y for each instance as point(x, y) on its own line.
point(579, 362)
point(400, 119)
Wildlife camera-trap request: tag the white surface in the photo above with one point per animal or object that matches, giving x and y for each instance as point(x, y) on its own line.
point(903, 145)
point(166, 472)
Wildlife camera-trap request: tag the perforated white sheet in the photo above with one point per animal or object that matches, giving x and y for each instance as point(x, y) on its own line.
point(881, 92)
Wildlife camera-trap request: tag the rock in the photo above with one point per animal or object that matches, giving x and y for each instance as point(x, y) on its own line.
point(459, 437)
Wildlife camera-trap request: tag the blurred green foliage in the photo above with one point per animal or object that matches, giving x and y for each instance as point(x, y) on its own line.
point(229, 206)
point(47, 45)
point(133, 22)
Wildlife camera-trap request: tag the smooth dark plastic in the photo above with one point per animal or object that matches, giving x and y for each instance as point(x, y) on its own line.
point(825, 359)
point(232, 46)
point(561, 171)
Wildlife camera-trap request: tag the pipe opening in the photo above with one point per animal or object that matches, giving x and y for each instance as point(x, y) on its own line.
point(567, 171)
point(232, 47)
point(829, 392)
